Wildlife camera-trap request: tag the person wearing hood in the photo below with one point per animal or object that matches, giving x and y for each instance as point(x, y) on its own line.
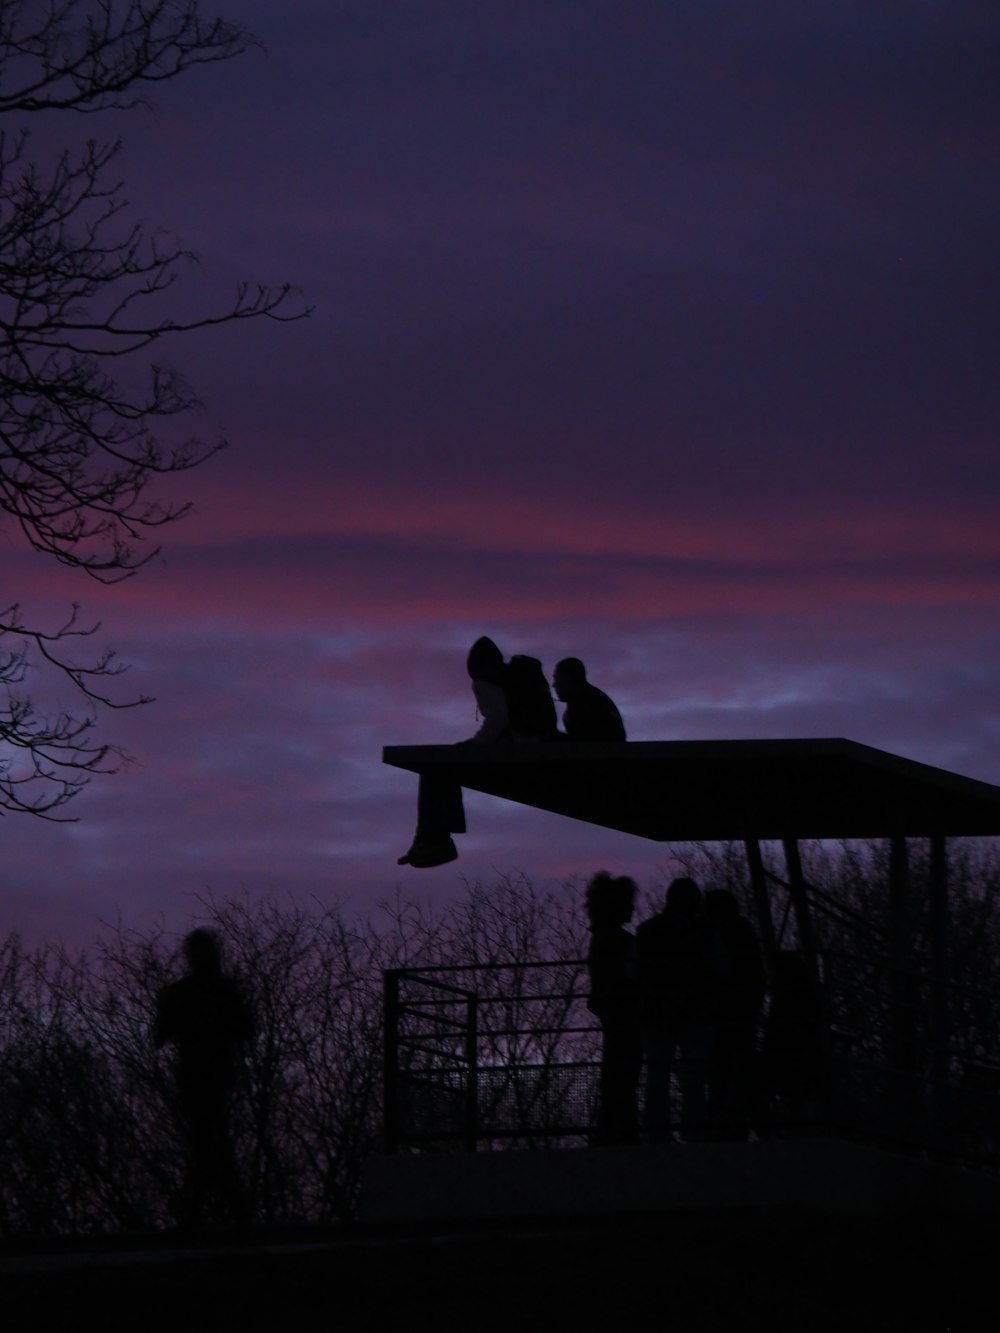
point(440, 810)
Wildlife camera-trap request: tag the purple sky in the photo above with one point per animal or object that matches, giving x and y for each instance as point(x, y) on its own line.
point(660, 333)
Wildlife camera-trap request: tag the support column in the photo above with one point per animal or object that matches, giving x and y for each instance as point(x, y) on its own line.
point(471, 1135)
point(803, 919)
point(900, 960)
point(809, 949)
point(906, 1107)
point(762, 900)
point(940, 1019)
point(390, 1062)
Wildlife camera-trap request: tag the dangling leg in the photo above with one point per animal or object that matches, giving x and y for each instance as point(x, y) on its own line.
point(440, 813)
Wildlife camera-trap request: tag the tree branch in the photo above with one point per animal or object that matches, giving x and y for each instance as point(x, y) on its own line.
point(84, 432)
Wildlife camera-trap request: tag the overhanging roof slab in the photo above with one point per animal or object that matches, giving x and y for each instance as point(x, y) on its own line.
point(715, 791)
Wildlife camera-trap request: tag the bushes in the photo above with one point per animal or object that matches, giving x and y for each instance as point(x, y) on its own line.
point(88, 1123)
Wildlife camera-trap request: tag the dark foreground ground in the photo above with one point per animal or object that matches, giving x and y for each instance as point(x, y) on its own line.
point(673, 1273)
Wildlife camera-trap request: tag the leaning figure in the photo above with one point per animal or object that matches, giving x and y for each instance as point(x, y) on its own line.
point(591, 716)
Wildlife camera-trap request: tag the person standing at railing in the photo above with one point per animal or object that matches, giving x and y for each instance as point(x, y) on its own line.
point(679, 965)
point(733, 1075)
point(614, 1000)
point(796, 1070)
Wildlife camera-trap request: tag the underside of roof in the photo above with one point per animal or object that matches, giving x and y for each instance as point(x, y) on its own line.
point(708, 791)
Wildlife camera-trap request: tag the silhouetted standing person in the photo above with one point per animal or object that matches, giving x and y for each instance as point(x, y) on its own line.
point(614, 999)
point(205, 1018)
point(795, 1040)
point(739, 995)
point(591, 715)
point(677, 975)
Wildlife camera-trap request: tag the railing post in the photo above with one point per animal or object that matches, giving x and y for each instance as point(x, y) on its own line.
point(472, 1075)
point(390, 1062)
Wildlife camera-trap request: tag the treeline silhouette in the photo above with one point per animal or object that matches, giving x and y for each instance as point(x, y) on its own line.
point(89, 1118)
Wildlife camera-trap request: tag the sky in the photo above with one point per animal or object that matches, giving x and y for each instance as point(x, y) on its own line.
point(662, 333)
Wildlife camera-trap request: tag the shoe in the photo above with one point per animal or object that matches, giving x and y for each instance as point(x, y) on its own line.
point(425, 855)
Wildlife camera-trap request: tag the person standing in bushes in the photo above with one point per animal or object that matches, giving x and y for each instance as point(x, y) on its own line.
point(207, 1021)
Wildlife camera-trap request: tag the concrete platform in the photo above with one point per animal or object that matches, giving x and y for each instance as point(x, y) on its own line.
point(815, 1175)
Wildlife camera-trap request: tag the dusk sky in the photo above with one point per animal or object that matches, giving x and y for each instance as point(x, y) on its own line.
point(663, 333)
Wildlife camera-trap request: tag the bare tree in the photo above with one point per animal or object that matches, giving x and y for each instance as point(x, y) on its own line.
point(90, 415)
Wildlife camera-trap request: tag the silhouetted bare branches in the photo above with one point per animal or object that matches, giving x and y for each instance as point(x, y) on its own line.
point(91, 414)
point(92, 55)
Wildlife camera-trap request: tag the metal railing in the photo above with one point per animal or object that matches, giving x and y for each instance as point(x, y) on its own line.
point(507, 1055)
point(481, 1053)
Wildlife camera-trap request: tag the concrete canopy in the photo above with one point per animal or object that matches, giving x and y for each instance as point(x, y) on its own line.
point(717, 791)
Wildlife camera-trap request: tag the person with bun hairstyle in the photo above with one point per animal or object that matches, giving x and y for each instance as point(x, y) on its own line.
point(614, 1000)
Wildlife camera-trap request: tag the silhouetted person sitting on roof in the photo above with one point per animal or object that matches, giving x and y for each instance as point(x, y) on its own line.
point(206, 1019)
point(678, 970)
point(614, 999)
point(515, 704)
point(739, 995)
point(590, 715)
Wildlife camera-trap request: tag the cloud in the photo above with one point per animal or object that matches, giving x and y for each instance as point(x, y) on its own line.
point(664, 335)
point(259, 766)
